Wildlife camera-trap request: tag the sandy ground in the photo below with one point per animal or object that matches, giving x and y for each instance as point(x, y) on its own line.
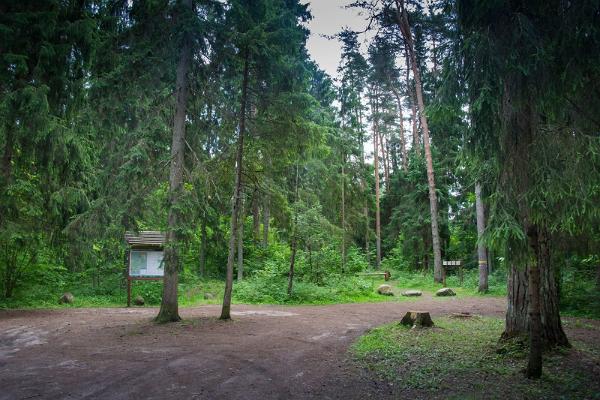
point(266, 352)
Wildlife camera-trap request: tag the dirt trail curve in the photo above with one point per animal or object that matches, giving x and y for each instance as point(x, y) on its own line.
point(266, 352)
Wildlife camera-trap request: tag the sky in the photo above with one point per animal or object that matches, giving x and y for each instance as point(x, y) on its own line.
point(329, 18)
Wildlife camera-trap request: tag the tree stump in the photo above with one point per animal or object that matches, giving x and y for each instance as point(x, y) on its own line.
point(417, 319)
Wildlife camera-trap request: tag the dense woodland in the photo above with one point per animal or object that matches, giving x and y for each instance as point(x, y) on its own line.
point(455, 130)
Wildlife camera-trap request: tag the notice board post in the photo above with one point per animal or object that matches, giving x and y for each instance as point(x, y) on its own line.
point(144, 261)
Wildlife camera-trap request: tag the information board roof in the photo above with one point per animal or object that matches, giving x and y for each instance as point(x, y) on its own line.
point(145, 238)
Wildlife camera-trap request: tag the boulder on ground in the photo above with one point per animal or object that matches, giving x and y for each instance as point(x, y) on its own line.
point(445, 292)
point(66, 298)
point(412, 293)
point(385, 290)
point(209, 296)
point(417, 319)
point(139, 300)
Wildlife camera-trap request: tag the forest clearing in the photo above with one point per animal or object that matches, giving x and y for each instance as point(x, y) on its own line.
point(299, 199)
point(271, 352)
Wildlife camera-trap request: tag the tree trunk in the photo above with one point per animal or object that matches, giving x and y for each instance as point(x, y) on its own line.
point(237, 194)
point(517, 318)
point(169, 307)
point(363, 188)
point(240, 243)
point(402, 16)
point(343, 215)
point(384, 158)
point(202, 257)
point(376, 166)
point(534, 365)
point(266, 219)
point(481, 251)
point(255, 217)
point(294, 243)
point(413, 106)
point(401, 130)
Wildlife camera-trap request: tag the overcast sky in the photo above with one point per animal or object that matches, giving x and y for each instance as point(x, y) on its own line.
point(329, 18)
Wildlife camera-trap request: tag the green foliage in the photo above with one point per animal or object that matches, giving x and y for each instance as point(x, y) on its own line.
point(449, 359)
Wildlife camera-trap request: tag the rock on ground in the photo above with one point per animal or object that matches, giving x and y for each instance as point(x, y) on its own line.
point(385, 290)
point(412, 293)
point(66, 298)
point(138, 301)
point(209, 296)
point(445, 292)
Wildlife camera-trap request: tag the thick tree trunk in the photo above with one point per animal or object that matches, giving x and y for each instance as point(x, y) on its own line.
point(237, 194)
point(481, 251)
point(202, 256)
point(534, 365)
point(402, 16)
point(169, 307)
point(376, 167)
point(517, 318)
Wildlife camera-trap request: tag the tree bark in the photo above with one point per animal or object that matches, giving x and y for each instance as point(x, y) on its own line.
point(534, 365)
point(294, 243)
point(240, 243)
point(376, 167)
point(401, 130)
point(384, 158)
point(202, 256)
point(413, 106)
point(255, 217)
point(363, 188)
point(343, 215)
point(481, 251)
point(169, 307)
point(266, 219)
point(402, 17)
point(237, 193)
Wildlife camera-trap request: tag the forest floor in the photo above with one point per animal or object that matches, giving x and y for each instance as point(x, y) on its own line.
point(265, 352)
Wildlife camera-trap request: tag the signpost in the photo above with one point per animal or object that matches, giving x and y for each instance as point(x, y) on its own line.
point(450, 265)
point(144, 260)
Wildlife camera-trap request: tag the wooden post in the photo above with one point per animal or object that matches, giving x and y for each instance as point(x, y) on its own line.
point(128, 290)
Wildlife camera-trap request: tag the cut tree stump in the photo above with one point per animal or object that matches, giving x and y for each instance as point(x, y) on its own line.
point(417, 319)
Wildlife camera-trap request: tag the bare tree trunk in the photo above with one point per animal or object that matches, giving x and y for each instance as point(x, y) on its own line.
point(169, 307)
point(384, 158)
point(363, 189)
point(413, 106)
point(376, 166)
point(294, 243)
point(481, 251)
point(240, 243)
point(202, 257)
point(237, 194)
point(402, 16)
point(401, 130)
point(343, 215)
point(266, 219)
point(255, 217)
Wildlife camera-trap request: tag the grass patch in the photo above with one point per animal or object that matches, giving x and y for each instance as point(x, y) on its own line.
point(460, 359)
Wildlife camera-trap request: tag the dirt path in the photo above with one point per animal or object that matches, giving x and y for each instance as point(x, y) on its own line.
point(266, 352)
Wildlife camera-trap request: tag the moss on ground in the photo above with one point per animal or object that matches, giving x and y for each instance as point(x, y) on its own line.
point(461, 358)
